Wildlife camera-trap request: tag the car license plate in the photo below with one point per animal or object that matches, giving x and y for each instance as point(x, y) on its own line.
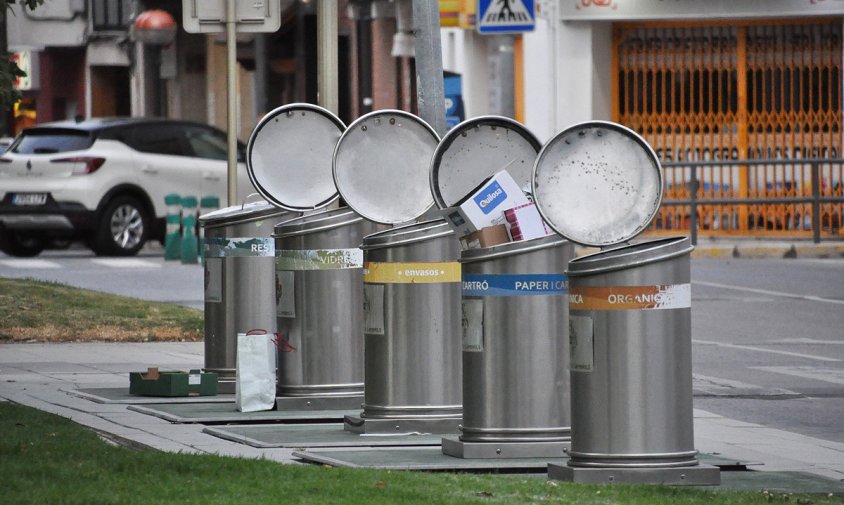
point(29, 199)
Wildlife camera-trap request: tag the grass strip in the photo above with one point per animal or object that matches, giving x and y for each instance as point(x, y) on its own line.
point(38, 311)
point(48, 459)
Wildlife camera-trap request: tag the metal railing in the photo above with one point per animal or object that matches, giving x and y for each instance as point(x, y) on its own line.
point(779, 198)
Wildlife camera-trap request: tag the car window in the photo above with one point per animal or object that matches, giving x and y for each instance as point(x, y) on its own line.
point(52, 140)
point(158, 139)
point(207, 143)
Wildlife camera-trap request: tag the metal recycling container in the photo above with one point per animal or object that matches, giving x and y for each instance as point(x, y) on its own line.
point(515, 385)
point(411, 277)
point(515, 366)
point(319, 271)
point(631, 317)
point(412, 285)
point(319, 282)
point(600, 184)
point(239, 292)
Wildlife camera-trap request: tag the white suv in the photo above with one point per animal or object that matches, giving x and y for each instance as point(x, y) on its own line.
point(103, 181)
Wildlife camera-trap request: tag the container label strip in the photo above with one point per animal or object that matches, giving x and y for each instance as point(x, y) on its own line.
point(318, 259)
point(230, 247)
point(514, 284)
point(411, 273)
point(670, 296)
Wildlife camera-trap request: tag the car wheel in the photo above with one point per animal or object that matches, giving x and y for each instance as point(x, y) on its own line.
point(122, 229)
point(21, 245)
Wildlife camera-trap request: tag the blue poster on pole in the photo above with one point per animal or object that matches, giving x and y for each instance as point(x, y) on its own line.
point(506, 16)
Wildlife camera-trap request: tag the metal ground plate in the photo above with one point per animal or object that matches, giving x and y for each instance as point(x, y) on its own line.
point(319, 402)
point(453, 446)
point(442, 426)
point(423, 458)
point(701, 475)
point(314, 435)
point(120, 395)
point(210, 413)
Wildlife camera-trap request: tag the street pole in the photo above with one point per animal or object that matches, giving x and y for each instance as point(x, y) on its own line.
point(231, 96)
point(430, 94)
point(4, 48)
point(327, 59)
point(259, 102)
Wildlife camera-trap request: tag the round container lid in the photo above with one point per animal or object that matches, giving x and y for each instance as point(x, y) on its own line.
point(381, 166)
point(237, 213)
point(477, 149)
point(597, 183)
point(288, 156)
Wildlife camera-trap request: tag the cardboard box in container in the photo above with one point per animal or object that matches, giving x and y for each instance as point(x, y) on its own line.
point(486, 237)
point(485, 206)
point(525, 223)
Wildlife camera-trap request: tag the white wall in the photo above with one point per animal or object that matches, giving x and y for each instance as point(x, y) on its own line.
point(465, 52)
point(567, 72)
point(54, 24)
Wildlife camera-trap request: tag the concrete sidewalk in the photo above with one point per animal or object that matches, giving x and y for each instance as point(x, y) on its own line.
point(35, 375)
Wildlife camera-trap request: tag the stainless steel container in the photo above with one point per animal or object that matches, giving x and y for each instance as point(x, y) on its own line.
point(632, 357)
point(412, 286)
point(600, 184)
point(515, 382)
point(319, 270)
point(412, 278)
point(515, 343)
point(239, 291)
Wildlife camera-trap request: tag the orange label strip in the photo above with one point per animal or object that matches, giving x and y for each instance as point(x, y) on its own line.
point(671, 296)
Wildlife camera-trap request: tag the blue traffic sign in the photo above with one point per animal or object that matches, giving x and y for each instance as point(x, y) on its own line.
point(505, 16)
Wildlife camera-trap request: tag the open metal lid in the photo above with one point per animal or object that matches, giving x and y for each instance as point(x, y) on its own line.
point(381, 166)
point(597, 183)
point(243, 212)
point(477, 149)
point(289, 153)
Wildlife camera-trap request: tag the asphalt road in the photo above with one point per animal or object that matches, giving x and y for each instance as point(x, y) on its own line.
point(768, 334)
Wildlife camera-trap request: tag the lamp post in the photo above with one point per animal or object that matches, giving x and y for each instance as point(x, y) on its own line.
point(155, 29)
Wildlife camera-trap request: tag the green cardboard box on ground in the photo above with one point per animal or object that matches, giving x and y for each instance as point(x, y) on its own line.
point(155, 383)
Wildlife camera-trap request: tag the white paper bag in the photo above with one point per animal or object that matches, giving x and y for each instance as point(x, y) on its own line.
point(255, 386)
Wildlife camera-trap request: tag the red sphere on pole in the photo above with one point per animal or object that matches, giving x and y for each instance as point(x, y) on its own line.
point(155, 26)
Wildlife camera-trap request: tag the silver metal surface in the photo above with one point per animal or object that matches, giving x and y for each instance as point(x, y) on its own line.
point(327, 55)
point(420, 458)
point(318, 402)
point(701, 475)
point(453, 446)
point(477, 149)
point(415, 424)
point(289, 155)
point(631, 390)
point(244, 296)
point(515, 377)
point(322, 350)
point(220, 412)
point(428, 56)
point(597, 183)
point(298, 436)
point(413, 330)
point(381, 166)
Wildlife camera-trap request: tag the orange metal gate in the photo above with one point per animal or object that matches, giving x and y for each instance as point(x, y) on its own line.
point(762, 91)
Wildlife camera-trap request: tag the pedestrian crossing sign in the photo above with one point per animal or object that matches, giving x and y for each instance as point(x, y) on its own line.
point(505, 16)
